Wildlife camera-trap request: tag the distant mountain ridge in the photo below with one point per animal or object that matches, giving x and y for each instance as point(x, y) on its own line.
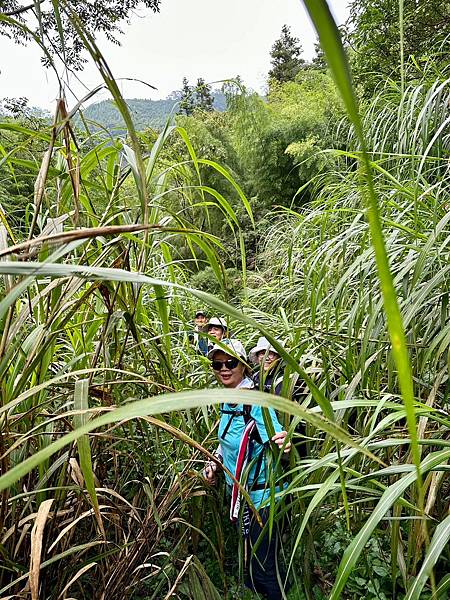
point(145, 112)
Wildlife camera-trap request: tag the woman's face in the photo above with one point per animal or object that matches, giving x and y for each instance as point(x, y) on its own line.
point(268, 357)
point(228, 377)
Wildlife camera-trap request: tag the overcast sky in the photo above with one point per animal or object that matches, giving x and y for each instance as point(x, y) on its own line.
point(212, 39)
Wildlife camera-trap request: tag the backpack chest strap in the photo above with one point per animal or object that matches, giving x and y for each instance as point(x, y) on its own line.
point(246, 413)
point(235, 413)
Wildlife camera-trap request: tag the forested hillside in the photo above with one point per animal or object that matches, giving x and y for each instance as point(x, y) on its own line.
point(317, 217)
point(145, 112)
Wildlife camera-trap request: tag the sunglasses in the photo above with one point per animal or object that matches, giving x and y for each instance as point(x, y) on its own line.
point(231, 363)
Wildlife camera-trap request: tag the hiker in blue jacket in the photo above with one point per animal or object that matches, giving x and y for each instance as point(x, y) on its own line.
point(197, 337)
point(243, 450)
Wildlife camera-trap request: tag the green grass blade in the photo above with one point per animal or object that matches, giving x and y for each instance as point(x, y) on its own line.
point(442, 588)
point(438, 543)
point(180, 401)
point(236, 186)
point(388, 499)
point(330, 41)
point(81, 403)
point(163, 311)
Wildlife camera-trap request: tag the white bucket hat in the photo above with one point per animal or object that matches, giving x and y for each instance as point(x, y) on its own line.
point(262, 345)
point(218, 322)
point(233, 347)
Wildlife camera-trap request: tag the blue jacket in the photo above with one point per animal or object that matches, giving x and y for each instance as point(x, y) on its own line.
point(233, 427)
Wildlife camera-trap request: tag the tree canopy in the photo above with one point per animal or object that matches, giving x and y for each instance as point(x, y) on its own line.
point(374, 37)
point(286, 57)
point(54, 23)
point(195, 97)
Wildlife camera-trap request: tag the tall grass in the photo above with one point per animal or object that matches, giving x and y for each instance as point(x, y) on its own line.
point(103, 426)
point(331, 269)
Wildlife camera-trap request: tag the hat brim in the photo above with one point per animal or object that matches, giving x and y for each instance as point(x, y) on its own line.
point(213, 351)
point(234, 355)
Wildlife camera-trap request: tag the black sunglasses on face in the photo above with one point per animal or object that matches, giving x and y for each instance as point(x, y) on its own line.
point(231, 363)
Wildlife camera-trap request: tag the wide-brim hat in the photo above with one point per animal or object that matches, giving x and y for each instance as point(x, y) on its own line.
point(230, 346)
point(263, 345)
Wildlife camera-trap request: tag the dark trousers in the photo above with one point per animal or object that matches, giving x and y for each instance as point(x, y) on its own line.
point(261, 571)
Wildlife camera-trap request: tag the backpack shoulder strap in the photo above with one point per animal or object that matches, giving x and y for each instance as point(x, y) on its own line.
point(233, 414)
point(247, 413)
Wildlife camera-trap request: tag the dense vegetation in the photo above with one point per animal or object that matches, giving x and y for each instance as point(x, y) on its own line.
point(302, 217)
point(146, 113)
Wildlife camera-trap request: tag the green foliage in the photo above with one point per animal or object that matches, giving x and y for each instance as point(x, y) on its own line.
point(205, 280)
point(371, 580)
point(186, 98)
point(199, 97)
point(146, 113)
point(51, 21)
point(22, 146)
point(278, 142)
point(203, 97)
point(322, 259)
point(285, 56)
point(273, 147)
point(319, 61)
point(374, 36)
point(95, 323)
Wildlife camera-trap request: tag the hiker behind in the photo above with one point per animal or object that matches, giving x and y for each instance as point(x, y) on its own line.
point(243, 440)
point(216, 328)
point(269, 374)
point(268, 378)
point(197, 338)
